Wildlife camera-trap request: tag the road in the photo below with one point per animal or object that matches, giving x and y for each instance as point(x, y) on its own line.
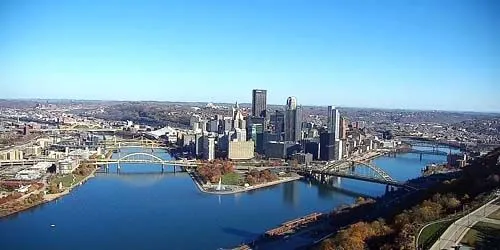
point(456, 231)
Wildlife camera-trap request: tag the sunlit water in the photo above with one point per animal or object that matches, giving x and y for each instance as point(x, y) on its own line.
point(141, 208)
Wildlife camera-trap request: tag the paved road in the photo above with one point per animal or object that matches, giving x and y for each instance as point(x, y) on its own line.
point(456, 231)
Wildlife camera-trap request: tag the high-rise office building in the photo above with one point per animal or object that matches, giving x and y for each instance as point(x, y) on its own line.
point(259, 102)
point(227, 124)
point(312, 147)
point(293, 120)
point(241, 150)
point(343, 128)
point(209, 148)
point(277, 120)
point(198, 145)
point(327, 146)
point(238, 119)
point(338, 149)
point(334, 121)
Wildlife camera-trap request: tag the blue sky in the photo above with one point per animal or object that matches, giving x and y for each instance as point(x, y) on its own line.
point(422, 54)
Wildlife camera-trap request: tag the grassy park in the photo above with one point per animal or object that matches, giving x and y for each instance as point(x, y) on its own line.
point(432, 232)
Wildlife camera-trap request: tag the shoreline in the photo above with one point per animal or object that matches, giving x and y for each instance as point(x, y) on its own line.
point(244, 189)
point(50, 197)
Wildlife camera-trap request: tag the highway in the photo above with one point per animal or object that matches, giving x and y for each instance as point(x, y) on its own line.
point(456, 231)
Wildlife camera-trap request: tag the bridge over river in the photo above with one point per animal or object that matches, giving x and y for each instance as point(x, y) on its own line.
point(145, 158)
point(356, 170)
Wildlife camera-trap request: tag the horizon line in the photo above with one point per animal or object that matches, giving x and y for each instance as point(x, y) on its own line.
point(249, 103)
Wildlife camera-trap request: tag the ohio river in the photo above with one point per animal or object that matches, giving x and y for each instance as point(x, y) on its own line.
point(140, 208)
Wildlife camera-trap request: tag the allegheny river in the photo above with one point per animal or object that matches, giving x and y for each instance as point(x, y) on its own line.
point(141, 208)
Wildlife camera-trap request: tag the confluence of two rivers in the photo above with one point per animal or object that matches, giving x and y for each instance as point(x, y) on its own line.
point(140, 208)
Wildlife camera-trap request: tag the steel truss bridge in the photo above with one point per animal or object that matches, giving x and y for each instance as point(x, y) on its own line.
point(132, 143)
point(423, 152)
point(430, 148)
point(435, 146)
point(356, 170)
point(144, 158)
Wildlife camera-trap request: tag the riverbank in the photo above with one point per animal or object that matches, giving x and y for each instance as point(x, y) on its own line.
point(51, 197)
point(44, 198)
point(20, 205)
point(239, 189)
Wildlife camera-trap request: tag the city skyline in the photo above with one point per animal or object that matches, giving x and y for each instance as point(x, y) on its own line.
point(377, 56)
point(249, 124)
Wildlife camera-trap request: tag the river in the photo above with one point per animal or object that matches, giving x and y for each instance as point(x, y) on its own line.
point(141, 208)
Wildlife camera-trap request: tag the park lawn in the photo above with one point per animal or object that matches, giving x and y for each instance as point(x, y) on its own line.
point(231, 179)
point(66, 180)
point(495, 215)
point(483, 235)
point(79, 178)
point(431, 233)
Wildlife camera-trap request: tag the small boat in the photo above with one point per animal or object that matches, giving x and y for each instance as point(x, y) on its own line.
point(52, 225)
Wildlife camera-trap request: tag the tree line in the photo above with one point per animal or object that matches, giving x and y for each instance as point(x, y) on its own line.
point(395, 227)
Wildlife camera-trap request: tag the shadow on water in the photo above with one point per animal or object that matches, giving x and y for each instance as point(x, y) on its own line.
point(329, 188)
point(241, 233)
point(351, 193)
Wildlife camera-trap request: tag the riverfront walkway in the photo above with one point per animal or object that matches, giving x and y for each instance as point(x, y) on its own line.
point(456, 231)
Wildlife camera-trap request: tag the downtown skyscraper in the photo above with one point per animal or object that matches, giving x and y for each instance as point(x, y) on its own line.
point(293, 120)
point(259, 102)
point(333, 130)
point(333, 123)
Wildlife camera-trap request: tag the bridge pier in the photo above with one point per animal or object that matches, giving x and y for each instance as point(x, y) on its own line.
point(420, 156)
point(118, 168)
point(162, 168)
point(174, 168)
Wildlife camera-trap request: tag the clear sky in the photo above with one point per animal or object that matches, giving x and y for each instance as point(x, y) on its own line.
point(422, 54)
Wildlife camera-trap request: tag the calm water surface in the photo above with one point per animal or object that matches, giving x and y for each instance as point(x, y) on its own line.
point(140, 208)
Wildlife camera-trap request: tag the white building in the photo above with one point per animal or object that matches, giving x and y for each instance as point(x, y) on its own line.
point(209, 148)
point(41, 166)
point(338, 149)
point(67, 166)
point(28, 174)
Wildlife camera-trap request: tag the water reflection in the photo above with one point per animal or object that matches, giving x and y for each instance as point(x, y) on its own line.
point(168, 210)
point(291, 193)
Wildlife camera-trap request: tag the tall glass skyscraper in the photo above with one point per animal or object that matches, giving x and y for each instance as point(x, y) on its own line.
point(334, 121)
point(259, 102)
point(334, 129)
point(293, 120)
